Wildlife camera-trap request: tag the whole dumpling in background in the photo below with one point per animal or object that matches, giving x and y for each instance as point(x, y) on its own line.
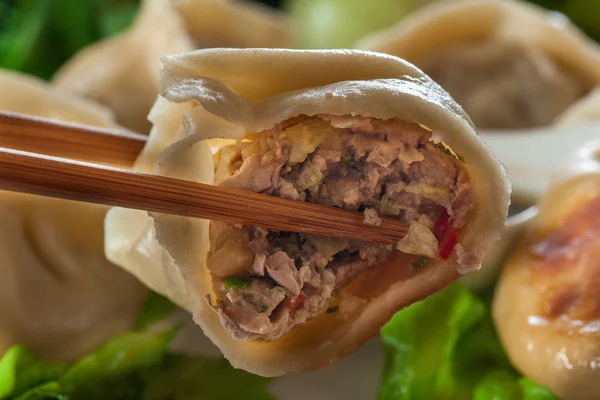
point(587, 109)
point(123, 72)
point(511, 65)
point(58, 293)
point(546, 307)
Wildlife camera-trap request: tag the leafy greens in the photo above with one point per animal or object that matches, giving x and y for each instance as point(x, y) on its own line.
point(135, 365)
point(445, 347)
point(38, 36)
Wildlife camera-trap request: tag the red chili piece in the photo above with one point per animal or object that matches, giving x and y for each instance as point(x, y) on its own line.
point(441, 226)
point(446, 235)
point(448, 243)
point(297, 303)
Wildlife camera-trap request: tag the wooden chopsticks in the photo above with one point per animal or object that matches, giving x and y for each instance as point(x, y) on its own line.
point(27, 172)
point(68, 140)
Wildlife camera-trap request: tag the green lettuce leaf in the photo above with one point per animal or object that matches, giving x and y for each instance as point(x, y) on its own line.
point(155, 309)
point(21, 369)
point(116, 18)
point(21, 33)
point(116, 369)
point(533, 391)
point(184, 378)
point(131, 366)
point(46, 391)
point(445, 347)
point(38, 36)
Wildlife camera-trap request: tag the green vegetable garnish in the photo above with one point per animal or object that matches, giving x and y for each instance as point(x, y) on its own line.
point(298, 263)
point(117, 367)
point(131, 366)
point(350, 162)
point(332, 310)
point(330, 24)
point(38, 36)
point(155, 309)
point(116, 17)
point(46, 391)
point(21, 369)
point(421, 262)
point(447, 150)
point(201, 378)
point(237, 282)
point(445, 347)
point(263, 308)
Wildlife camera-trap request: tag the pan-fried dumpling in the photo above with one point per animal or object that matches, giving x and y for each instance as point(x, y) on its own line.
point(511, 65)
point(547, 305)
point(122, 72)
point(58, 293)
point(357, 130)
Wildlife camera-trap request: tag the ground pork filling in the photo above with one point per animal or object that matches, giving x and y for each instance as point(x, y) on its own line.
point(268, 282)
point(504, 84)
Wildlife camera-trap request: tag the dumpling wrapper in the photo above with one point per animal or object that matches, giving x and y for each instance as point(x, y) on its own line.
point(226, 93)
point(441, 27)
point(58, 293)
point(546, 307)
point(122, 72)
point(585, 110)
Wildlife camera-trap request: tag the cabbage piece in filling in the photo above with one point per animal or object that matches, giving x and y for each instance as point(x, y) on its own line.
point(504, 84)
point(266, 282)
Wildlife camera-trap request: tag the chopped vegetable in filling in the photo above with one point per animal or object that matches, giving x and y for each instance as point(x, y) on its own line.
point(504, 84)
point(268, 282)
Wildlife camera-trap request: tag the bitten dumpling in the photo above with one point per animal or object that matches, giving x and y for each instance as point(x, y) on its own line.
point(357, 130)
point(511, 65)
point(58, 293)
point(122, 72)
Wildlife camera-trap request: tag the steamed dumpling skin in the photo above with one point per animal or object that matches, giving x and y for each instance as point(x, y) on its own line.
point(510, 64)
point(122, 72)
point(547, 303)
point(585, 110)
point(216, 96)
point(58, 293)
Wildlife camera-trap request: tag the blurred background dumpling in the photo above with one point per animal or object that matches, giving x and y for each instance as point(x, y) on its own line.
point(122, 72)
point(546, 306)
point(511, 65)
point(585, 110)
point(58, 293)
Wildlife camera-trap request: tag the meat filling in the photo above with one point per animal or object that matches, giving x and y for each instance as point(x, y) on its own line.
point(504, 84)
point(268, 282)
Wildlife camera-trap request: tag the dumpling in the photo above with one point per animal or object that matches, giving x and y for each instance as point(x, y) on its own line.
point(511, 65)
point(585, 110)
point(122, 72)
point(28, 95)
point(58, 293)
point(357, 130)
point(547, 306)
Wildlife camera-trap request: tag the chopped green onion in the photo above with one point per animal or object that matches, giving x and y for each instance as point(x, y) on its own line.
point(421, 262)
point(447, 150)
point(237, 282)
point(332, 310)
